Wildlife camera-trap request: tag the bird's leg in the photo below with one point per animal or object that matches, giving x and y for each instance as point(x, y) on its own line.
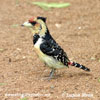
point(51, 73)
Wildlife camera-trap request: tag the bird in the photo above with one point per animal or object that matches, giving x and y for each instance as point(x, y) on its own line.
point(47, 49)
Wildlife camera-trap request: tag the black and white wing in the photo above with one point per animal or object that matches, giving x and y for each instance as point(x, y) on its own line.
point(51, 48)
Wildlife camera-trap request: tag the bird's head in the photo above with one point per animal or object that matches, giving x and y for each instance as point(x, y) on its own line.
point(37, 25)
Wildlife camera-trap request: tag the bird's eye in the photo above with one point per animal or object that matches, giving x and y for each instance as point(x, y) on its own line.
point(33, 23)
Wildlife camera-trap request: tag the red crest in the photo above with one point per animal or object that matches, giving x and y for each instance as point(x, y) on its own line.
point(31, 19)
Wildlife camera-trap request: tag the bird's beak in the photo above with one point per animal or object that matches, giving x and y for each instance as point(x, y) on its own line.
point(27, 24)
point(22, 25)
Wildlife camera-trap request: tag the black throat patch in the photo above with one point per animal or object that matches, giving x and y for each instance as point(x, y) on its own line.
point(35, 38)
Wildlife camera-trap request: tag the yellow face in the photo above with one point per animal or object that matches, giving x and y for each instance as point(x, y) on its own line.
point(31, 23)
point(36, 25)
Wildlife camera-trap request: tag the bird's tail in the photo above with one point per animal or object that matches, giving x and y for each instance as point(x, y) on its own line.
point(78, 66)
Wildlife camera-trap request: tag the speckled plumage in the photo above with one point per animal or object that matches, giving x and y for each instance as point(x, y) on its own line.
point(47, 48)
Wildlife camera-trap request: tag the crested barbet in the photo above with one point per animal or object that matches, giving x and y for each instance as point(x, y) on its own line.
point(46, 47)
